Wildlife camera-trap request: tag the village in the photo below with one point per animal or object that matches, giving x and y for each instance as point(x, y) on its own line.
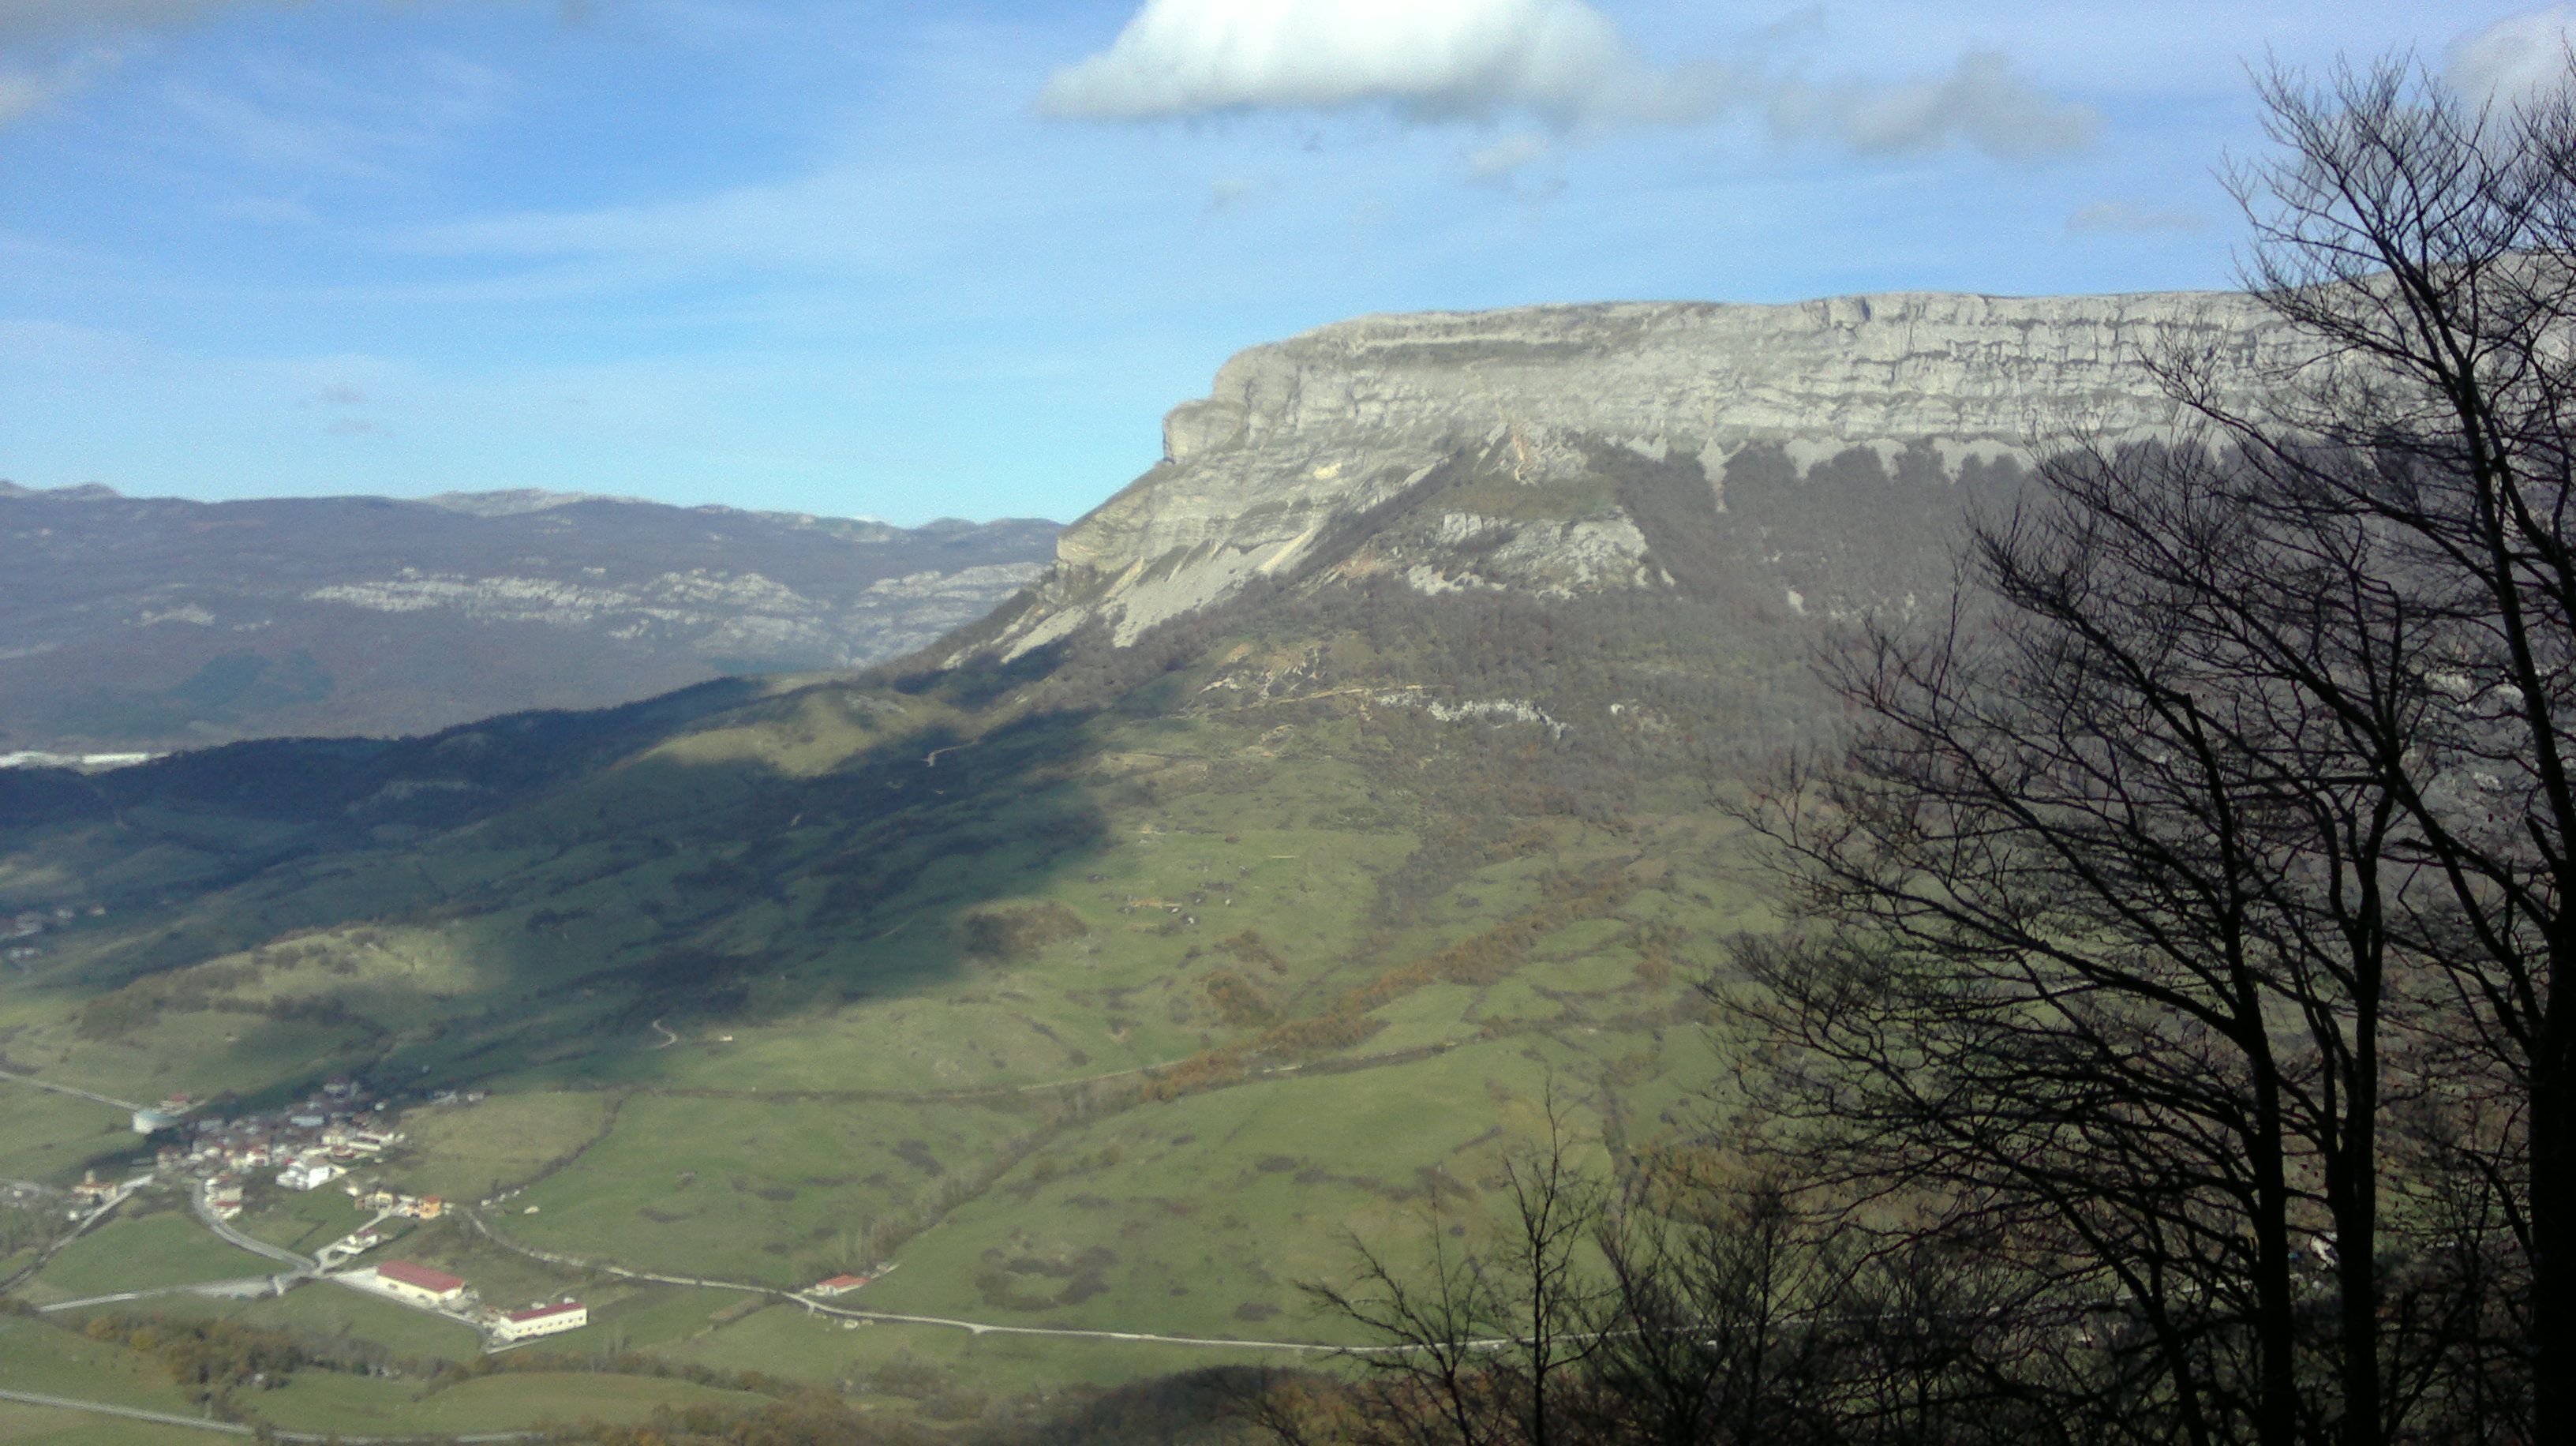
point(336, 1138)
point(330, 1139)
point(16, 930)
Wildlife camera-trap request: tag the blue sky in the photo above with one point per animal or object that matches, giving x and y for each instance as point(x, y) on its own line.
point(923, 260)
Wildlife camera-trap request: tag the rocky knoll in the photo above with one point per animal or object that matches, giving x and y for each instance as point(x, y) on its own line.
point(1819, 441)
point(155, 623)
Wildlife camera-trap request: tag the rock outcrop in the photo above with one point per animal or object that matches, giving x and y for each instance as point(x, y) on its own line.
point(1299, 438)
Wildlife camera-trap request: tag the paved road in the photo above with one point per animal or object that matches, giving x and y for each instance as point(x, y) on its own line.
point(975, 1327)
point(245, 1288)
point(233, 1428)
point(223, 1228)
point(128, 1106)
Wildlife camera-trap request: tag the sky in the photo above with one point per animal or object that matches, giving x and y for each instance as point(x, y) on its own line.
point(957, 259)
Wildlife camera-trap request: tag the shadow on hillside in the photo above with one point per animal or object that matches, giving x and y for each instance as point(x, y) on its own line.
point(602, 883)
point(598, 882)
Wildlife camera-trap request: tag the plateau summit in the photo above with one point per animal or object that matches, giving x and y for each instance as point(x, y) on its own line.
point(1874, 405)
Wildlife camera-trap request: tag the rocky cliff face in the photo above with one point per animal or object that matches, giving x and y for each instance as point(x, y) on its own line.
point(1795, 420)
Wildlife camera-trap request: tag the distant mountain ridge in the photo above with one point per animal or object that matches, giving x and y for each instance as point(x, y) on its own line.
point(157, 623)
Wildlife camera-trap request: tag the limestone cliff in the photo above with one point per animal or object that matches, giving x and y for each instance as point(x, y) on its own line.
point(1298, 438)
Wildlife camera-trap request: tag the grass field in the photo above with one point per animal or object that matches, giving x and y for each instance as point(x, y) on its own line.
point(906, 1362)
point(49, 1137)
point(167, 1247)
point(666, 1318)
point(301, 1220)
point(467, 1152)
point(782, 1192)
point(337, 1401)
point(328, 1314)
point(1207, 1211)
point(56, 1361)
point(22, 1425)
point(42, 1356)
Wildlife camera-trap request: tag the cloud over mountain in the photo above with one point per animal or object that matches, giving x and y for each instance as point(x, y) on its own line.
point(1442, 58)
point(2515, 59)
point(1560, 62)
point(1981, 103)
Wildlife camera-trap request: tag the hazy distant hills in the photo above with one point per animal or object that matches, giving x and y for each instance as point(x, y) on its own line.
point(154, 623)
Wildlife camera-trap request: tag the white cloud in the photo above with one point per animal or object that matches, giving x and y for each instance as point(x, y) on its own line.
point(2517, 59)
point(1560, 59)
point(2130, 218)
point(1559, 62)
point(1980, 102)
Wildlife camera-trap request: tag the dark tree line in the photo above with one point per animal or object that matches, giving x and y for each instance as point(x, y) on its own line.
point(2166, 1048)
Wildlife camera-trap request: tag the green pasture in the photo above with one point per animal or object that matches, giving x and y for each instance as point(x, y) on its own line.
point(466, 1152)
point(24, 1425)
point(49, 1137)
point(334, 1401)
point(46, 1357)
point(166, 1247)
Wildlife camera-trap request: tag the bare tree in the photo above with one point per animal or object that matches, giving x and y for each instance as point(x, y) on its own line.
point(1691, 1309)
point(2170, 1031)
point(2095, 977)
point(1482, 1344)
point(2230, 819)
point(2428, 248)
point(1710, 1328)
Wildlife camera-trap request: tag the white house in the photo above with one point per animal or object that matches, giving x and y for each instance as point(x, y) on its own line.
point(309, 1176)
point(543, 1320)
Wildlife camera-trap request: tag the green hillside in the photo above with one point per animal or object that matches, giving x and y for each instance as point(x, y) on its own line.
point(1107, 989)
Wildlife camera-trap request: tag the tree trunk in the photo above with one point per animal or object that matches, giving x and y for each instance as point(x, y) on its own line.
point(2553, 1232)
point(2276, 1412)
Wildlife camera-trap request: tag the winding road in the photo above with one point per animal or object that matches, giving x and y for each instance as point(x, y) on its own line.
point(224, 1230)
point(245, 1288)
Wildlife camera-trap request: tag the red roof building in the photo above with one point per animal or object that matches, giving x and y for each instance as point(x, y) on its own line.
point(419, 1277)
point(541, 1320)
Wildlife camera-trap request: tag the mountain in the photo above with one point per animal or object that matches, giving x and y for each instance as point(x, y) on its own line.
point(1347, 791)
point(1828, 439)
point(154, 623)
